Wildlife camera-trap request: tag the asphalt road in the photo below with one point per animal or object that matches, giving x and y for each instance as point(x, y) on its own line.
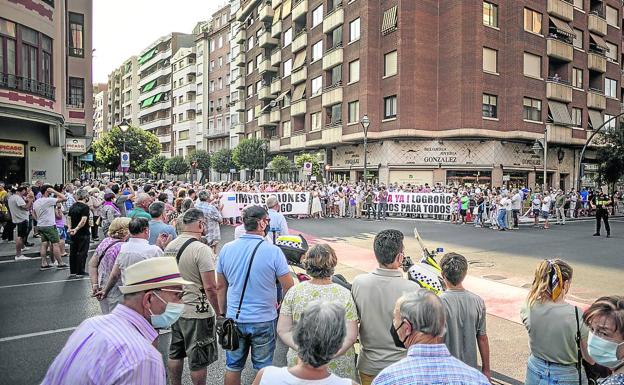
point(38, 310)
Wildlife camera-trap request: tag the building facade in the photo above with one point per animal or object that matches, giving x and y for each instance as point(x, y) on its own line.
point(46, 109)
point(456, 92)
point(184, 102)
point(100, 110)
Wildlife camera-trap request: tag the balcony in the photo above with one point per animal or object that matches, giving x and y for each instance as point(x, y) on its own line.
point(561, 9)
point(299, 77)
point(332, 58)
point(238, 128)
point(264, 93)
point(239, 83)
point(265, 66)
point(265, 121)
point(275, 3)
point(239, 60)
point(30, 86)
point(298, 108)
point(276, 115)
point(596, 62)
point(559, 49)
point(333, 20)
point(596, 100)
point(274, 145)
point(266, 12)
point(217, 133)
point(332, 95)
point(240, 36)
point(300, 42)
point(559, 91)
point(299, 9)
point(276, 29)
point(276, 57)
point(276, 86)
point(266, 40)
point(160, 122)
point(239, 105)
point(597, 24)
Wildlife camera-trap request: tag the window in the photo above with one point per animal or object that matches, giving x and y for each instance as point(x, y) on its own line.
point(610, 122)
point(612, 52)
point(76, 34)
point(317, 86)
point(220, 41)
point(258, 85)
point(212, 86)
point(578, 38)
point(286, 129)
point(532, 21)
point(212, 45)
point(578, 4)
point(390, 107)
point(335, 114)
point(490, 59)
point(612, 16)
point(250, 43)
point(532, 109)
point(577, 78)
point(250, 115)
point(212, 65)
point(287, 37)
point(30, 43)
point(75, 97)
point(46, 59)
point(258, 60)
point(532, 65)
point(220, 82)
point(390, 63)
point(490, 14)
point(183, 135)
point(287, 68)
point(354, 71)
point(317, 16)
point(219, 123)
point(577, 117)
point(315, 121)
point(8, 58)
point(317, 50)
point(250, 90)
point(354, 111)
point(220, 61)
point(489, 108)
point(249, 67)
point(610, 88)
point(354, 30)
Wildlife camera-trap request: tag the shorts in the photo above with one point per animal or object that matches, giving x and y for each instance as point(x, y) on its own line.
point(537, 212)
point(545, 214)
point(49, 234)
point(194, 338)
point(462, 212)
point(259, 337)
point(22, 229)
point(62, 232)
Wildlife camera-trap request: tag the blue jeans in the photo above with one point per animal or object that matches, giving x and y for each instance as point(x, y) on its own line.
point(259, 337)
point(502, 219)
point(540, 372)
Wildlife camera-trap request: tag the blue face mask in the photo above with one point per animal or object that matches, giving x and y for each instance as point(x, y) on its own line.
point(169, 317)
point(604, 352)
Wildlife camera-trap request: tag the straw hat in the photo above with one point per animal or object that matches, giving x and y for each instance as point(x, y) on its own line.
point(152, 273)
point(118, 224)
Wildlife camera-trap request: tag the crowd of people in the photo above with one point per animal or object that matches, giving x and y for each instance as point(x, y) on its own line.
point(160, 266)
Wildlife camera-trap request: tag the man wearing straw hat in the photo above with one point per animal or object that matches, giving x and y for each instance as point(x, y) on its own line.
point(117, 348)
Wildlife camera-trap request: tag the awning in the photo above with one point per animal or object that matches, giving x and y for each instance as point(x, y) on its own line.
point(149, 86)
point(286, 8)
point(147, 102)
point(281, 96)
point(299, 91)
point(299, 60)
point(147, 56)
point(277, 14)
point(562, 26)
point(158, 97)
point(389, 23)
point(595, 119)
point(598, 41)
point(559, 114)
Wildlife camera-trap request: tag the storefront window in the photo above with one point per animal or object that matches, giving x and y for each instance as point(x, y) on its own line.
point(516, 179)
point(461, 178)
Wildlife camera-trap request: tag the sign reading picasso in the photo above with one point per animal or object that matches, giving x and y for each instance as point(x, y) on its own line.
point(76, 145)
point(420, 203)
point(15, 150)
point(291, 203)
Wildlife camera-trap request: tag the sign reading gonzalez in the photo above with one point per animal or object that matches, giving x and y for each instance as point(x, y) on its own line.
point(291, 203)
point(419, 203)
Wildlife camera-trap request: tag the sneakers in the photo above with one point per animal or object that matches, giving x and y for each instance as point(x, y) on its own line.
point(22, 257)
point(46, 267)
point(62, 266)
point(25, 248)
point(596, 234)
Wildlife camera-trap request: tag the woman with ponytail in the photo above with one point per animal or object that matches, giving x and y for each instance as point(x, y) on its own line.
point(553, 326)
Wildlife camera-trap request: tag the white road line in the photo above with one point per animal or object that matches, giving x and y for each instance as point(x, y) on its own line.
point(29, 335)
point(44, 283)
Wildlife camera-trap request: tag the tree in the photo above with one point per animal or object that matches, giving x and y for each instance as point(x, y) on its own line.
point(250, 154)
point(222, 161)
point(281, 165)
point(306, 157)
point(202, 158)
point(156, 165)
point(176, 166)
point(142, 145)
point(610, 157)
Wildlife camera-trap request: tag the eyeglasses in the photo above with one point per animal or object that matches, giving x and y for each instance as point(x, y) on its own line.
point(180, 293)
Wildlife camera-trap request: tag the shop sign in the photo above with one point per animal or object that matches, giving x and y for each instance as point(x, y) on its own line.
point(76, 145)
point(15, 150)
point(39, 174)
point(351, 157)
point(88, 157)
point(439, 154)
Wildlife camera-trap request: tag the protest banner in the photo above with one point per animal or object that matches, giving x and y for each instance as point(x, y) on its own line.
point(291, 203)
point(419, 203)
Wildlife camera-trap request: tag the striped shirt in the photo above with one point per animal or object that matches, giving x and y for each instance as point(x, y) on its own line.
point(430, 364)
point(111, 349)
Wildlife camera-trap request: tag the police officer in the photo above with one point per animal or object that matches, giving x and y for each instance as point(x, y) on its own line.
point(600, 202)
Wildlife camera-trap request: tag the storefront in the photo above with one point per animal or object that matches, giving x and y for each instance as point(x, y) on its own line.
point(12, 162)
point(469, 178)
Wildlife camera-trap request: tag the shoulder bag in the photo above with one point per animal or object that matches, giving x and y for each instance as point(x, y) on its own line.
point(227, 334)
point(106, 250)
point(184, 246)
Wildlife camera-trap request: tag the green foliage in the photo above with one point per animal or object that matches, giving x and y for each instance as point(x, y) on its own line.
point(141, 145)
point(176, 166)
point(156, 165)
point(306, 157)
point(202, 158)
point(222, 161)
point(281, 164)
point(611, 158)
point(249, 154)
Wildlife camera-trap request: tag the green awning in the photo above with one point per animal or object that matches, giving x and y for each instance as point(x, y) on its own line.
point(149, 86)
point(147, 56)
point(158, 97)
point(147, 102)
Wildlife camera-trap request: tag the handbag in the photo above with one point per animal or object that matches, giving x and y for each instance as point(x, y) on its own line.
point(227, 334)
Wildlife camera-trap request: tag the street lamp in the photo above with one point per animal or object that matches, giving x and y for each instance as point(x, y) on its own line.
point(538, 147)
point(365, 122)
point(264, 150)
point(124, 126)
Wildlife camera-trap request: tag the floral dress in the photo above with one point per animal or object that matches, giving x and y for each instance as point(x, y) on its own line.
point(298, 298)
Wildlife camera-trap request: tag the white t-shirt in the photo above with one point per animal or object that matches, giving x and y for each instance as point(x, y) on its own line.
point(281, 376)
point(546, 203)
point(18, 214)
point(536, 204)
point(44, 209)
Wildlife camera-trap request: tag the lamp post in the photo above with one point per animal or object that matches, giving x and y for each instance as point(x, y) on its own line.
point(542, 146)
point(264, 150)
point(365, 122)
point(124, 126)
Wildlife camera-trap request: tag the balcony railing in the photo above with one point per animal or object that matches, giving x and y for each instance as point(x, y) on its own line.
point(31, 86)
point(73, 51)
point(75, 102)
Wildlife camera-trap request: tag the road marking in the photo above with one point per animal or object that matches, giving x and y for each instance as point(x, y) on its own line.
point(44, 283)
point(30, 335)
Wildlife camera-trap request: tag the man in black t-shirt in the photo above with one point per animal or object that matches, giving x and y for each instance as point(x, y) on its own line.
point(79, 233)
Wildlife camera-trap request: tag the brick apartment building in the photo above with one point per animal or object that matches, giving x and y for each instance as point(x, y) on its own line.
point(456, 91)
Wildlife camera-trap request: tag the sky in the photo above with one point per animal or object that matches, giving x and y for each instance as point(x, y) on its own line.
point(122, 28)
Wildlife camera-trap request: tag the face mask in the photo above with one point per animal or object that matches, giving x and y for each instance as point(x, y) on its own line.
point(395, 336)
point(604, 352)
point(169, 317)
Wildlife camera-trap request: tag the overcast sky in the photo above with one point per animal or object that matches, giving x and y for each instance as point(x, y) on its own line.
point(122, 28)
